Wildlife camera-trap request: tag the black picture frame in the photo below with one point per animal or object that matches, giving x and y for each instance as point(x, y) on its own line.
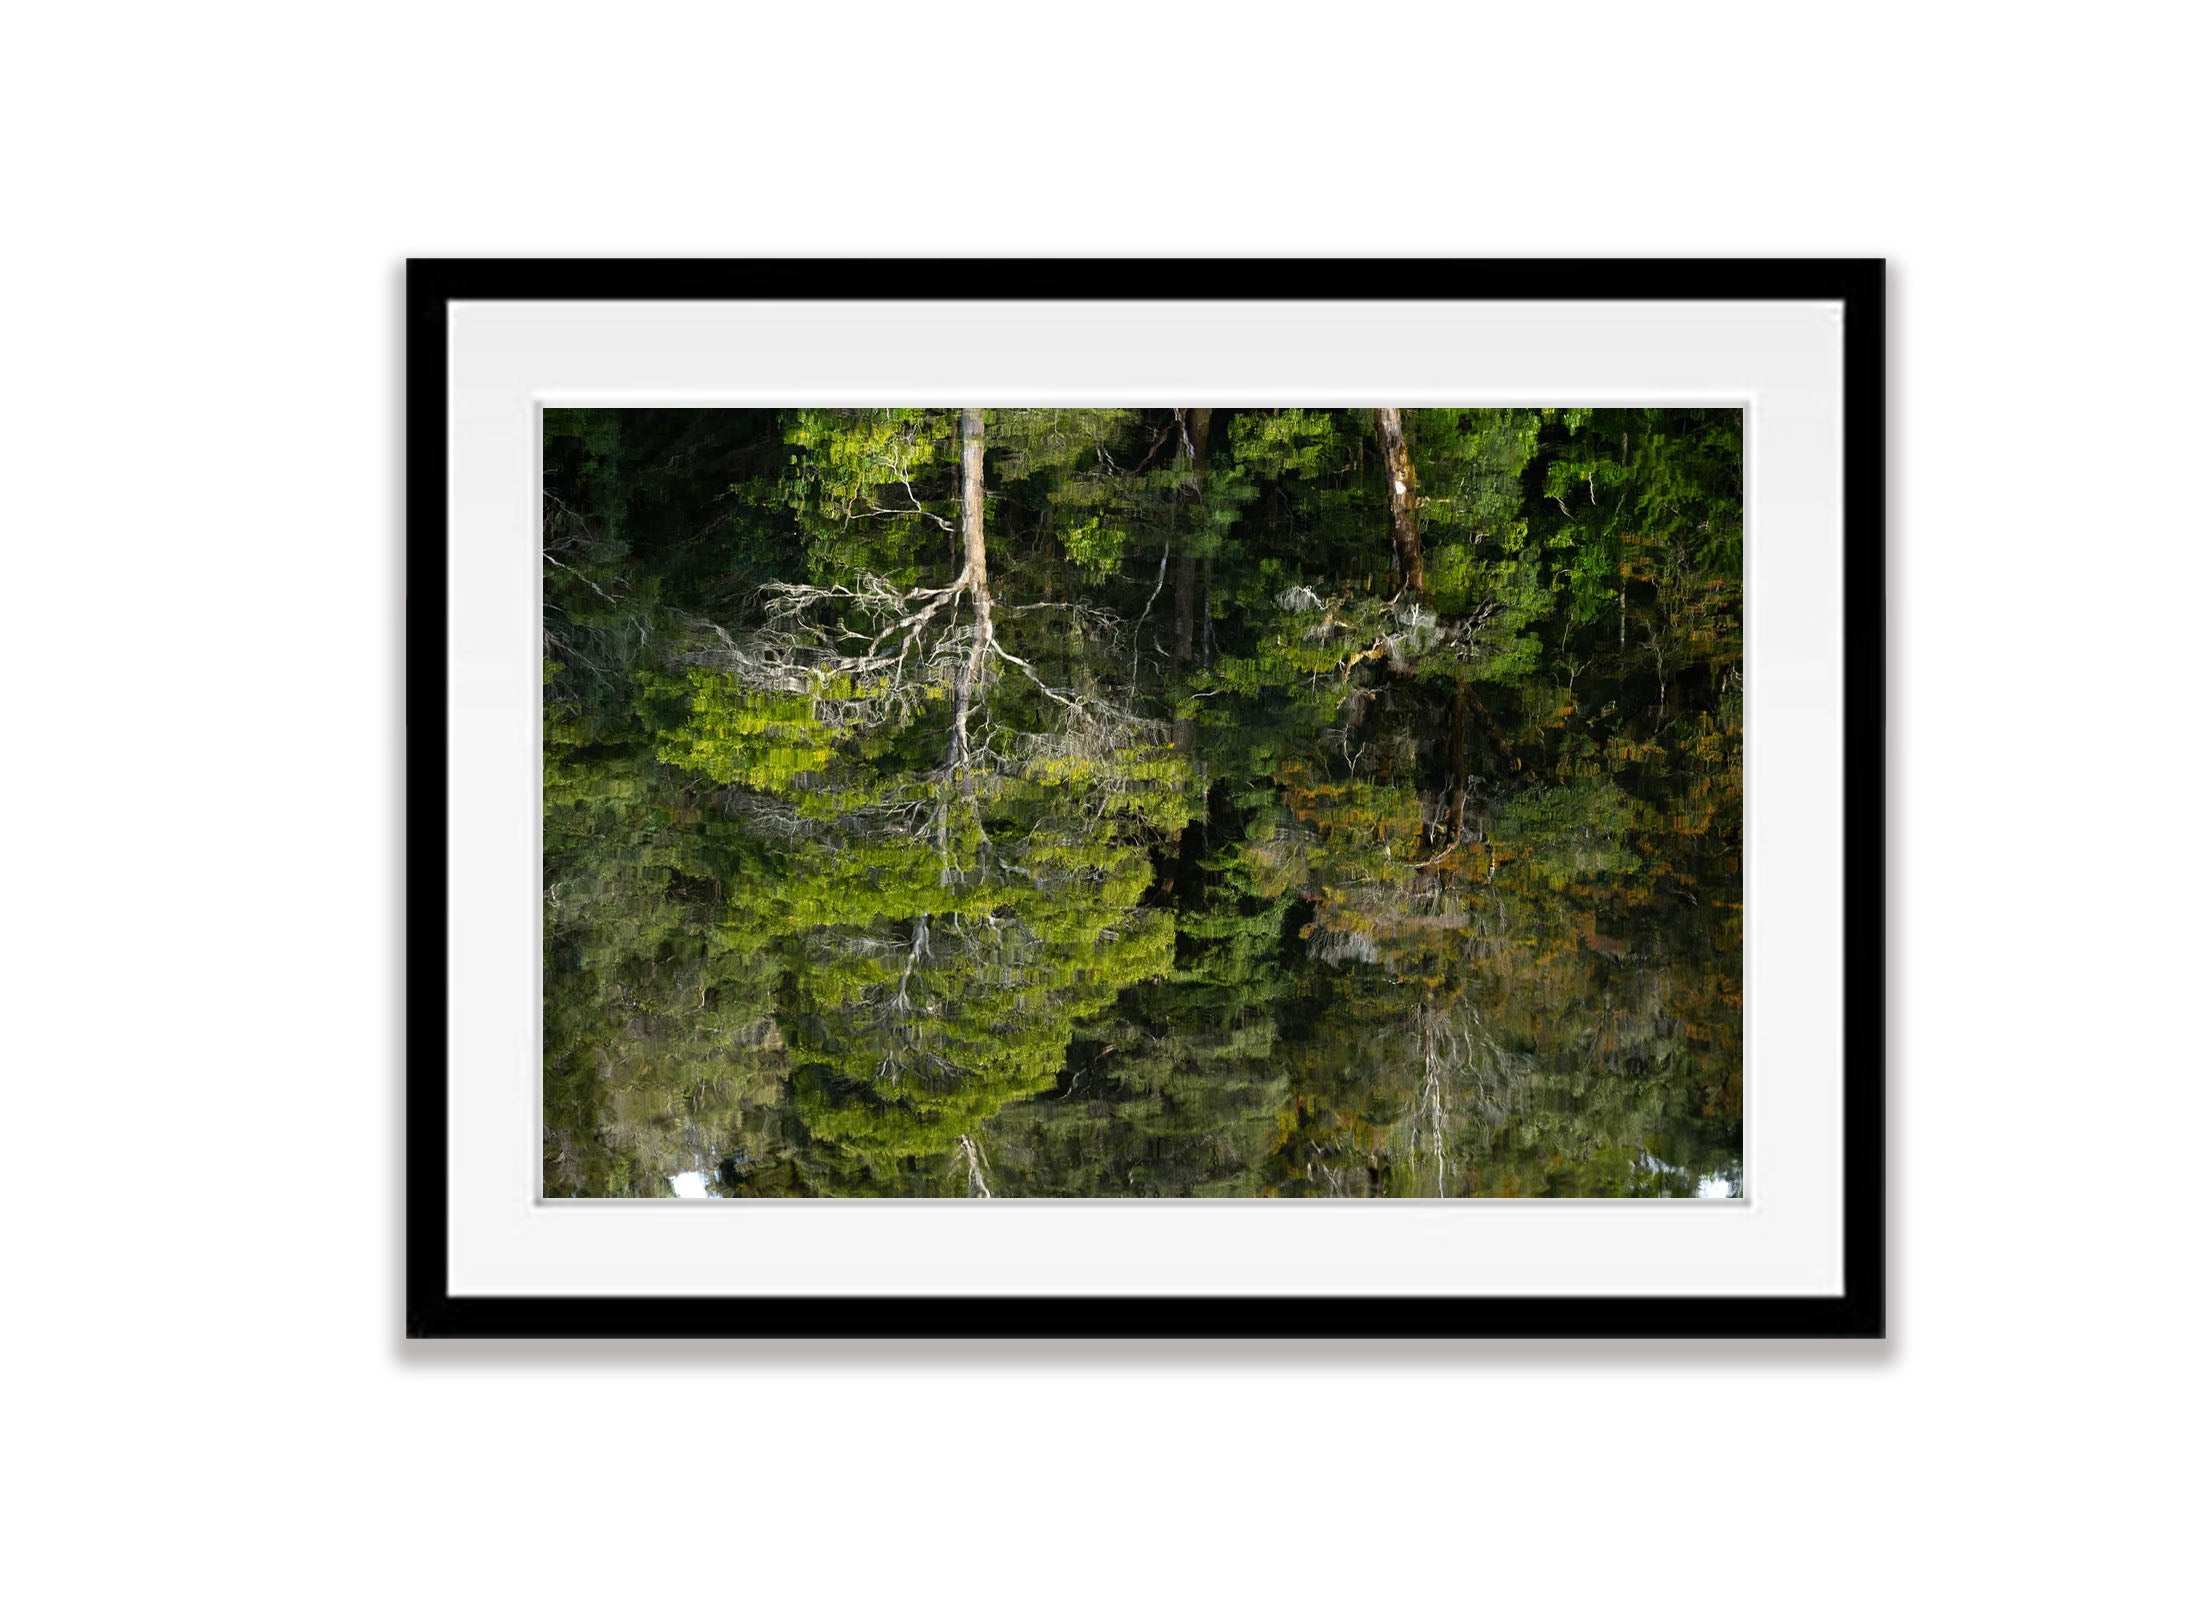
point(432, 1311)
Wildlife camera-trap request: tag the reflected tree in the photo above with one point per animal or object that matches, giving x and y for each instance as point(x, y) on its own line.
point(1168, 802)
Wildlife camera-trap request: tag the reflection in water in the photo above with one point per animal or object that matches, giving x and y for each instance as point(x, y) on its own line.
point(1164, 803)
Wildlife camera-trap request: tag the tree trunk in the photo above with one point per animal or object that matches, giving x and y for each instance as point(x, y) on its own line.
point(973, 1160)
point(1432, 1094)
point(1196, 426)
point(1188, 570)
point(973, 579)
point(1458, 763)
point(1187, 607)
point(1405, 518)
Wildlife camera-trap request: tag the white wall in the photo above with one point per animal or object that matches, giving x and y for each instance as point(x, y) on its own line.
point(207, 207)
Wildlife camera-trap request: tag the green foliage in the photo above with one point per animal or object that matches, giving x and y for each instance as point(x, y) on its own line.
point(1094, 546)
point(735, 735)
point(1271, 444)
point(869, 490)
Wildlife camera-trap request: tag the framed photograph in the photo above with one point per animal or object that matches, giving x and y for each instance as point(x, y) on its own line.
point(1145, 798)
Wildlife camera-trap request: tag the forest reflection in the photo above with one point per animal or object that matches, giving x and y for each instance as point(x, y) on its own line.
point(1054, 803)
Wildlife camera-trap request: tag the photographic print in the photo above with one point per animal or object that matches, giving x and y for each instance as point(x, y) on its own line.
point(1161, 803)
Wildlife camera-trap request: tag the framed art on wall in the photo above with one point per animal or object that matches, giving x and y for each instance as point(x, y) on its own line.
point(961, 798)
